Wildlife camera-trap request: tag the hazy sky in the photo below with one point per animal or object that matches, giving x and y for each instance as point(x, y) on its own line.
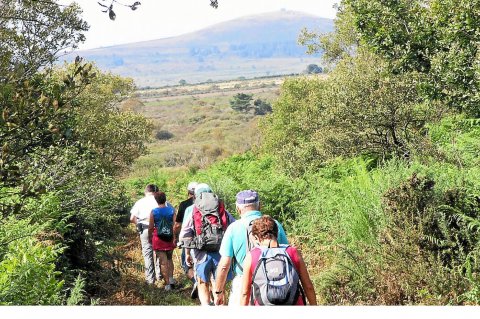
point(156, 19)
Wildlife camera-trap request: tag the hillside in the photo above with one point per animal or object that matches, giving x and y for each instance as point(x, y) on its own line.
point(251, 46)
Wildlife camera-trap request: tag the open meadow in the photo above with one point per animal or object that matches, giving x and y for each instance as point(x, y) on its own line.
point(194, 125)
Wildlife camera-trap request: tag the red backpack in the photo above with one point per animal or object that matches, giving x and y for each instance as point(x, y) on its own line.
point(210, 221)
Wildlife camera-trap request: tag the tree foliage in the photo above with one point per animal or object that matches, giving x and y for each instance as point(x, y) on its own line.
point(64, 140)
point(335, 46)
point(438, 38)
point(33, 33)
point(313, 69)
point(241, 102)
point(359, 109)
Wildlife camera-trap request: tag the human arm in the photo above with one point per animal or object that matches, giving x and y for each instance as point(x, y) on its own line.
point(179, 218)
point(306, 281)
point(221, 278)
point(134, 214)
point(176, 229)
point(246, 280)
point(175, 235)
point(150, 228)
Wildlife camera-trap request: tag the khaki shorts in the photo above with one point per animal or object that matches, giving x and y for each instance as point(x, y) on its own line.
point(236, 294)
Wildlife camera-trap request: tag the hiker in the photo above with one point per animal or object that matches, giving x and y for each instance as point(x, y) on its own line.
point(162, 238)
point(202, 231)
point(278, 272)
point(178, 226)
point(236, 243)
point(140, 216)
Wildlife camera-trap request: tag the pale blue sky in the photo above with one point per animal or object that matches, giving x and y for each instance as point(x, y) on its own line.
point(156, 19)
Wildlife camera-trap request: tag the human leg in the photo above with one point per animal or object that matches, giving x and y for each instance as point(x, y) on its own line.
point(169, 254)
point(156, 259)
point(164, 266)
point(203, 292)
point(147, 253)
point(204, 272)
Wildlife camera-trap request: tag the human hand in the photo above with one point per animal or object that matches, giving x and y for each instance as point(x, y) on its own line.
point(220, 300)
point(189, 260)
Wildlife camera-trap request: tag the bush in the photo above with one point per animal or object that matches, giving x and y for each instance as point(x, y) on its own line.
point(28, 275)
point(164, 135)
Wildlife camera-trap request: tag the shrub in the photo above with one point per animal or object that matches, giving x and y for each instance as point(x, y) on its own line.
point(164, 135)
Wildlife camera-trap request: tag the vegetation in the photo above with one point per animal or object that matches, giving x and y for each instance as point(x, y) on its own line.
point(373, 170)
point(241, 102)
point(64, 141)
point(313, 69)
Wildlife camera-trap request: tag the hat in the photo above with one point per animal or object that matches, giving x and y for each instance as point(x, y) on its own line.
point(202, 188)
point(247, 197)
point(191, 186)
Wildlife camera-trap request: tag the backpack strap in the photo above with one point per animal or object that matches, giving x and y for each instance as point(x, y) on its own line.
point(255, 253)
point(246, 242)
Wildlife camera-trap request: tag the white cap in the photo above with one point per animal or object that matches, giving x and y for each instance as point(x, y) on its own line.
point(191, 186)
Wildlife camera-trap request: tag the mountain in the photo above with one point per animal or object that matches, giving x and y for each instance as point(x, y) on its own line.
point(258, 45)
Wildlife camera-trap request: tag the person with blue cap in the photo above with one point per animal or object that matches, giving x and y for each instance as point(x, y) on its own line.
point(235, 245)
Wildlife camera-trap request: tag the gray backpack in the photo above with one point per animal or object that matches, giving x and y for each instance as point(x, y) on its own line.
point(275, 281)
point(210, 222)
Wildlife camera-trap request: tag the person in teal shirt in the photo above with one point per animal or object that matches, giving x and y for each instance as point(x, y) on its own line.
point(236, 243)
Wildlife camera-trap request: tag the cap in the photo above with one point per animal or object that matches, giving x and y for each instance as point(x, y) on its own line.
point(191, 186)
point(247, 197)
point(202, 188)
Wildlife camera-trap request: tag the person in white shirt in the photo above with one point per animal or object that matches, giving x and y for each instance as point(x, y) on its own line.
point(140, 216)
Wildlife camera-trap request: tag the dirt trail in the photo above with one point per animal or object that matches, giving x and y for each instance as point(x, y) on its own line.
point(128, 287)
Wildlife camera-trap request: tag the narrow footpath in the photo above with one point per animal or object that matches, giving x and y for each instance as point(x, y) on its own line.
point(125, 284)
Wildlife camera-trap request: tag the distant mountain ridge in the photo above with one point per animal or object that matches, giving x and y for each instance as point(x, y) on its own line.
point(258, 45)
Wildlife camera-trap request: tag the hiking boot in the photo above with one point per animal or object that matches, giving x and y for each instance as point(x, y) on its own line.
point(173, 281)
point(194, 293)
point(168, 287)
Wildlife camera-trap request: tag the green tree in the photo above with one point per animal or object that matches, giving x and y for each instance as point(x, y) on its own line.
point(63, 139)
point(241, 102)
point(313, 69)
point(360, 109)
point(33, 33)
point(437, 38)
point(262, 107)
point(342, 42)
point(99, 115)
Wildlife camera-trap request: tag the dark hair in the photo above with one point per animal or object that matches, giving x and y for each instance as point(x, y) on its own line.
point(160, 197)
point(265, 227)
point(151, 188)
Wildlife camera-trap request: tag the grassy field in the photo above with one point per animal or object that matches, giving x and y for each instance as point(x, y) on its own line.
point(195, 125)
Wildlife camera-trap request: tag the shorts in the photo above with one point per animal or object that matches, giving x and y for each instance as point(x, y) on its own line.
point(236, 293)
point(208, 268)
